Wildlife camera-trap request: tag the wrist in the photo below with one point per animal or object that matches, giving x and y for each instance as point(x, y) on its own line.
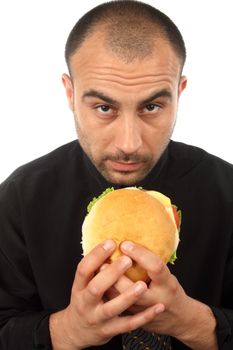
point(199, 325)
point(58, 332)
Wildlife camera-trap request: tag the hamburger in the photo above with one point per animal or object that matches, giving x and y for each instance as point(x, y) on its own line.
point(144, 217)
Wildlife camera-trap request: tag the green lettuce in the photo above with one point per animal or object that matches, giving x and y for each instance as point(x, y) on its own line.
point(173, 258)
point(95, 199)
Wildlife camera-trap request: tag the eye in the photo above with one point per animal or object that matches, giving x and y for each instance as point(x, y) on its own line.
point(103, 108)
point(151, 107)
point(106, 112)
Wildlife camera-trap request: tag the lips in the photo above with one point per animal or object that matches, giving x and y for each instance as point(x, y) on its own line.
point(125, 166)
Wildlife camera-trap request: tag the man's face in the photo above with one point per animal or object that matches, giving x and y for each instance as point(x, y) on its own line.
point(124, 112)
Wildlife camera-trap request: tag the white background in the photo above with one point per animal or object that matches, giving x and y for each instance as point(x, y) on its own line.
point(34, 116)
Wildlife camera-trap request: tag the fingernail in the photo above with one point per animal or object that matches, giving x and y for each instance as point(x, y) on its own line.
point(140, 287)
point(158, 309)
point(127, 246)
point(126, 261)
point(108, 244)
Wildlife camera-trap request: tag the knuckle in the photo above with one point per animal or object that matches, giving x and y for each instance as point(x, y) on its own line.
point(106, 332)
point(108, 312)
point(174, 286)
point(90, 320)
point(131, 324)
point(158, 267)
point(94, 290)
point(81, 269)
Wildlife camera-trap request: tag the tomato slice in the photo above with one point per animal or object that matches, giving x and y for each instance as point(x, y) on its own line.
point(176, 216)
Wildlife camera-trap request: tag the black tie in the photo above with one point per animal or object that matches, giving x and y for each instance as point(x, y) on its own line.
point(142, 340)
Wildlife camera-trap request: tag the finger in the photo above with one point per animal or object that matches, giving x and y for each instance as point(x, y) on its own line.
point(122, 302)
point(135, 309)
point(122, 284)
point(103, 267)
point(92, 262)
point(105, 279)
point(157, 270)
point(128, 323)
point(147, 299)
point(142, 318)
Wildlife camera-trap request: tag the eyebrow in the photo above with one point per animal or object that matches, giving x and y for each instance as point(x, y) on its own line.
point(154, 96)
point(102, 96)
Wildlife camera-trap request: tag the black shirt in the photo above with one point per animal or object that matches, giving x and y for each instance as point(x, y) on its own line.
point(42, 207)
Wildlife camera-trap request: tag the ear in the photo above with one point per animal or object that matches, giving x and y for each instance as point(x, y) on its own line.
point(68, 85)
point(182, 85)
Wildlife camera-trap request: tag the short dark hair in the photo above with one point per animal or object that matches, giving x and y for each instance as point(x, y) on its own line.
point(131, 26)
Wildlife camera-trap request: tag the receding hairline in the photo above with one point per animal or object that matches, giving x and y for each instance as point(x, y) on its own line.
point(125, 54)
point(130, 28)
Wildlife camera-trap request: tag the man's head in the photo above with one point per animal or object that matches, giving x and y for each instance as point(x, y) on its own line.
point(125, 60)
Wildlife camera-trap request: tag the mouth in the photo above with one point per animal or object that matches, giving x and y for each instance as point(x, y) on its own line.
point(125, 166)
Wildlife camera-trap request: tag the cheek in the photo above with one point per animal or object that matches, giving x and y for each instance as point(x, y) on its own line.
point(93, 138)
point(157, 134)
point(85, 125)
point(99, 132)
point(159, 127)
point(87, 120)
point(167, 122)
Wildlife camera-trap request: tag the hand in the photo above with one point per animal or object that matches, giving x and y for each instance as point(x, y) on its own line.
point(89, 319)
point(163, 290)
point(186, 319)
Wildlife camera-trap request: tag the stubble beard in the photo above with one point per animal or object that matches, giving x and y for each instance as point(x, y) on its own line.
point(123, 178)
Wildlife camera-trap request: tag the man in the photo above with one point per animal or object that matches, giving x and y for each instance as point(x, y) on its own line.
point(125, 60)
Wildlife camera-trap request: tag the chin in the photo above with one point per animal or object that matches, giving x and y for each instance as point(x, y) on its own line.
point(124, 179)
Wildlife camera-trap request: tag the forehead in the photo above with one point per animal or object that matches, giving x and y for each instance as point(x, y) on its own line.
point(96, 62)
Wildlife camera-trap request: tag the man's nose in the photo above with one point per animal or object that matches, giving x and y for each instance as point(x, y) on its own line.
point(128, 135)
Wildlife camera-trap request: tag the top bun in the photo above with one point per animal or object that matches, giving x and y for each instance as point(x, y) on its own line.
point(135, 215)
